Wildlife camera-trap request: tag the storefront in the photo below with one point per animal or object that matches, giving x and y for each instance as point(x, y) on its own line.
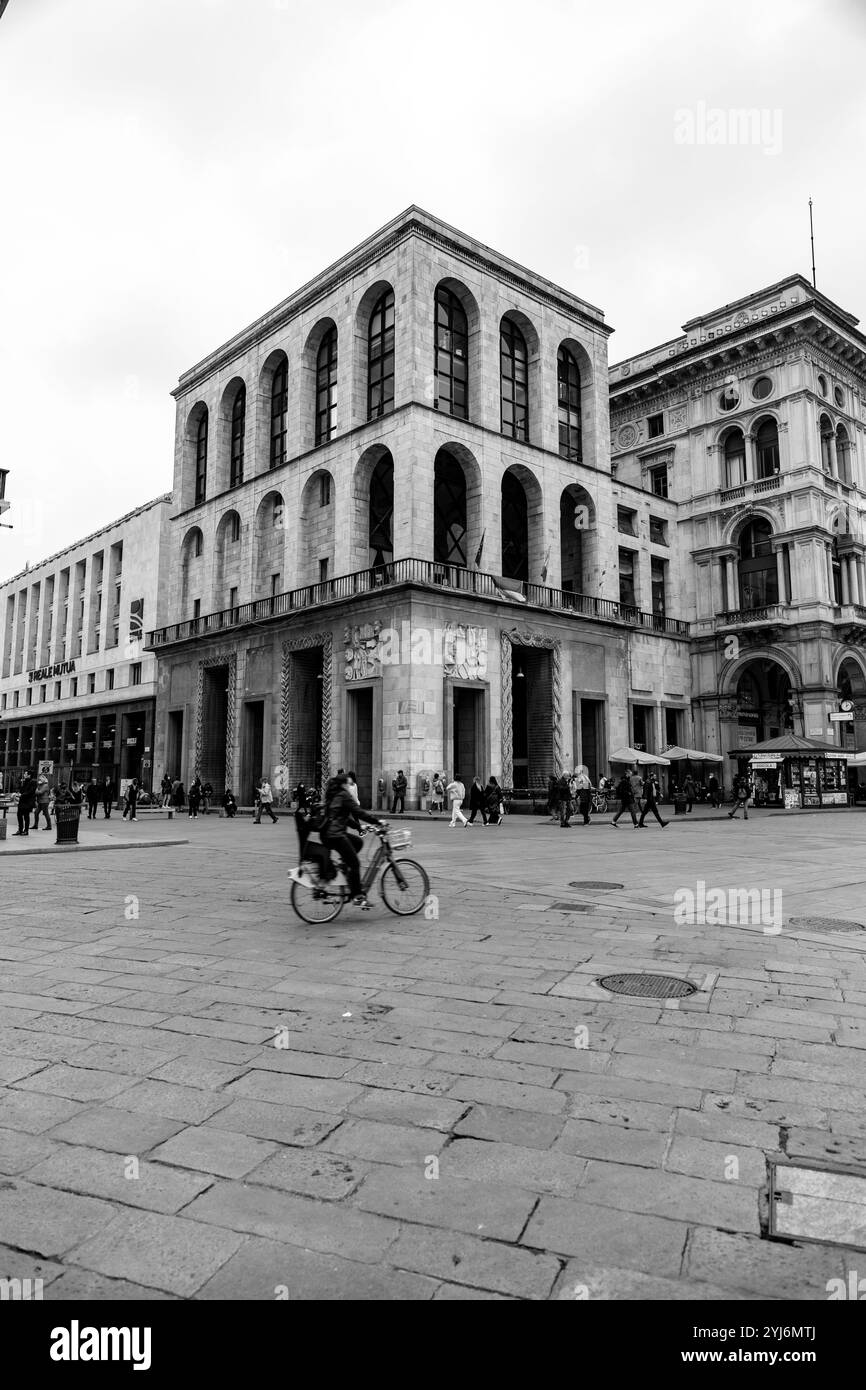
point(794, 772)
point(102, 741)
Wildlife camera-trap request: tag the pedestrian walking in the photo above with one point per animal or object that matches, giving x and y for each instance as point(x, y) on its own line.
point(108, 794)
point(477, 801)
point(456, 793)
point(230, 806)
point(43, 796)
point(398, 787)
point(742, 793)
point(194, 799)
point(583, 793)
point(636, 780)
point(494, 798)
point(553, 796)
point(625, 796)
point(650, 801)
point(92, 796)
point(690, 791)
point(130, 804)
point(26, 803)
point(563, 790)
point(713, 789)
point(266, 798)
point(437, 798)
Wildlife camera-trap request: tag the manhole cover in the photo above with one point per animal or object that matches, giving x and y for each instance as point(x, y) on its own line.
point(824, 924)
point(648, 986)
point(592, 883)
point(570, 907)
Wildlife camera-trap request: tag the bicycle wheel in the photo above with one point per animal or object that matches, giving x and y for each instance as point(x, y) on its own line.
point(315, 905)
point(411, 895)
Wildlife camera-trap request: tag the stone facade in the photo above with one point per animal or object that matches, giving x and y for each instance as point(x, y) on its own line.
point(290, 646)
point(77, 685)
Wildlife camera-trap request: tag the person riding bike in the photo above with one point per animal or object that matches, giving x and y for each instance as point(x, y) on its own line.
point(341, 812)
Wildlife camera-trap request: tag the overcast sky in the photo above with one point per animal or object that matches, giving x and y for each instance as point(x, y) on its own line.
point(173, 168)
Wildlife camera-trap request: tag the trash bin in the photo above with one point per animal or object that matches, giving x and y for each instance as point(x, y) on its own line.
point(679, 805)
point(67, 816)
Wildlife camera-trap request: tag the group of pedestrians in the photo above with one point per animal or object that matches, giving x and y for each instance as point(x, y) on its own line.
point(634, 792)
point(488, 801)
point(570, 793)
point(36, 798)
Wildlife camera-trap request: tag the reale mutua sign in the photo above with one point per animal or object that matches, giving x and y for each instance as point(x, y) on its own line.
point(46, 673)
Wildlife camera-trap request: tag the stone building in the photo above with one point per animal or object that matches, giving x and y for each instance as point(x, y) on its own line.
point(396, 542)
point(77, 687)
point(752, 426)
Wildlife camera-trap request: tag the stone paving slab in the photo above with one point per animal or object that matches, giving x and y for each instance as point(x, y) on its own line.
point(396, 1108)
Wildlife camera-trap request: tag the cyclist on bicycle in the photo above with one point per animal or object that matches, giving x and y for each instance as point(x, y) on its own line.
point(342, 812)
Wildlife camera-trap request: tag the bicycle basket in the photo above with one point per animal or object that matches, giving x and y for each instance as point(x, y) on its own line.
point(400, 839)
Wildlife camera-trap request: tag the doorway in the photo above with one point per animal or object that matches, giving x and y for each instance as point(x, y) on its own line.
point(214, 727)
point(592, 738)
point(359, 740)
point(305, 697)
point(174, 744)
point(532, 716)
point(252, 748)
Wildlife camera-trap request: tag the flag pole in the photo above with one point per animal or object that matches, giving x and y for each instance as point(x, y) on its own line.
point(812, 239)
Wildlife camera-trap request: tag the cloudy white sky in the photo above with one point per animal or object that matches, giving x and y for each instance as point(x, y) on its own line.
point(172, 168)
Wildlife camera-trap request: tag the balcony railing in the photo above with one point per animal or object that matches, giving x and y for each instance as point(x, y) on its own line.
point(451, 578)
point(752, 488)
point(740, 617)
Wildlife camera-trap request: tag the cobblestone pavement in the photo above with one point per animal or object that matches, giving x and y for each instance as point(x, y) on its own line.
point(204, 1098)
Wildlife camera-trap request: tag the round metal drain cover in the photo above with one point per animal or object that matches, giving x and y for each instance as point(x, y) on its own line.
point(824, 924)
point(592, 883)
point(648, 986)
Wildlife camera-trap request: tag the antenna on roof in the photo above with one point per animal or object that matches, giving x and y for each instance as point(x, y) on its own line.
point(812, 238)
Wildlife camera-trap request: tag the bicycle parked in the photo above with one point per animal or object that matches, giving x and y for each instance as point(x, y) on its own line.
point(318, 898)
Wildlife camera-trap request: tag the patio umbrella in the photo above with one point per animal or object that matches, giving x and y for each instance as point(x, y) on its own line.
point(692, 755)
point(631, 755)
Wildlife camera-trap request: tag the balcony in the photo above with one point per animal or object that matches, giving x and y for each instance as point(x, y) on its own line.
point(754, 488)
point(755, 617)
point(423, 573)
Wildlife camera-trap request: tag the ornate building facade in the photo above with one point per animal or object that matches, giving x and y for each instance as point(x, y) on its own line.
point(754, 426)
point(397, 542)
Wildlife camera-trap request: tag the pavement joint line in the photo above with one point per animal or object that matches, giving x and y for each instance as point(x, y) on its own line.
point(15, 853)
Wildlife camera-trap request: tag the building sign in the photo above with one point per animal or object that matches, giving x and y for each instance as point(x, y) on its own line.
point(136, 620)
point(764, 760)
point(47, 673)
point(835, 798)
point(131, 742)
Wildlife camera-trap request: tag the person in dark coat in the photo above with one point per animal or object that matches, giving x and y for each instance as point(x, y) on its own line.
point(690, 791)
point(493, 797)
point(108, 795)
point(131, 802)
point(178, 795)
point(399, 786)
point(477, 801)
point(230, 806)
point(625, 796)
point(26, 803)
point(194, 798)
point(342, 812)
point(650, 801)
point(566, 804)
point(713, 789)
point(92, 795)
point(43, 796)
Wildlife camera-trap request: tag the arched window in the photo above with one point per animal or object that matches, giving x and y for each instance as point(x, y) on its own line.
point(279, 414)
point(515, 529)
point(197, 543)
point(513, 381)
point(735, 459)
point(759, 583)
point(568, 382)
point(239, 415)
point(844, 460)
point(767, 449)
point(381, 512)
point(380, 369)
point(326, 388)
point(449, 510)
point(201, 460)
point(452, 347)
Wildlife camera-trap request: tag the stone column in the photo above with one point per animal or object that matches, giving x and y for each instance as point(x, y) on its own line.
point(829, 564)
point(784, 596)
point(831, 450)
point(846, 590)
point(733, 593)
point(751, 459)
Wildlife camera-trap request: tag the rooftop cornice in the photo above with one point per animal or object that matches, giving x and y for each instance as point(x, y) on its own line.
point(413, 222)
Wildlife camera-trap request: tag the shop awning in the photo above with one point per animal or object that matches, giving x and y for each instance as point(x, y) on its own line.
point(788, 745)
point(692, 755)
point(631, 755)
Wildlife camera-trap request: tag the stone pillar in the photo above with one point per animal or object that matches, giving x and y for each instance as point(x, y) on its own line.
point(846, 589)
point(733, 593)
point(751, 459)
point(829, 564)
point(831, 450)
point(780, 574)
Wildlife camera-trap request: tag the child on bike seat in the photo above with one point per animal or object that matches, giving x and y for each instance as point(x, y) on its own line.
point(341, 813)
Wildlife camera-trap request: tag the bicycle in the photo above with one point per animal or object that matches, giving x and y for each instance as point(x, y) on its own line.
point(404, 884)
